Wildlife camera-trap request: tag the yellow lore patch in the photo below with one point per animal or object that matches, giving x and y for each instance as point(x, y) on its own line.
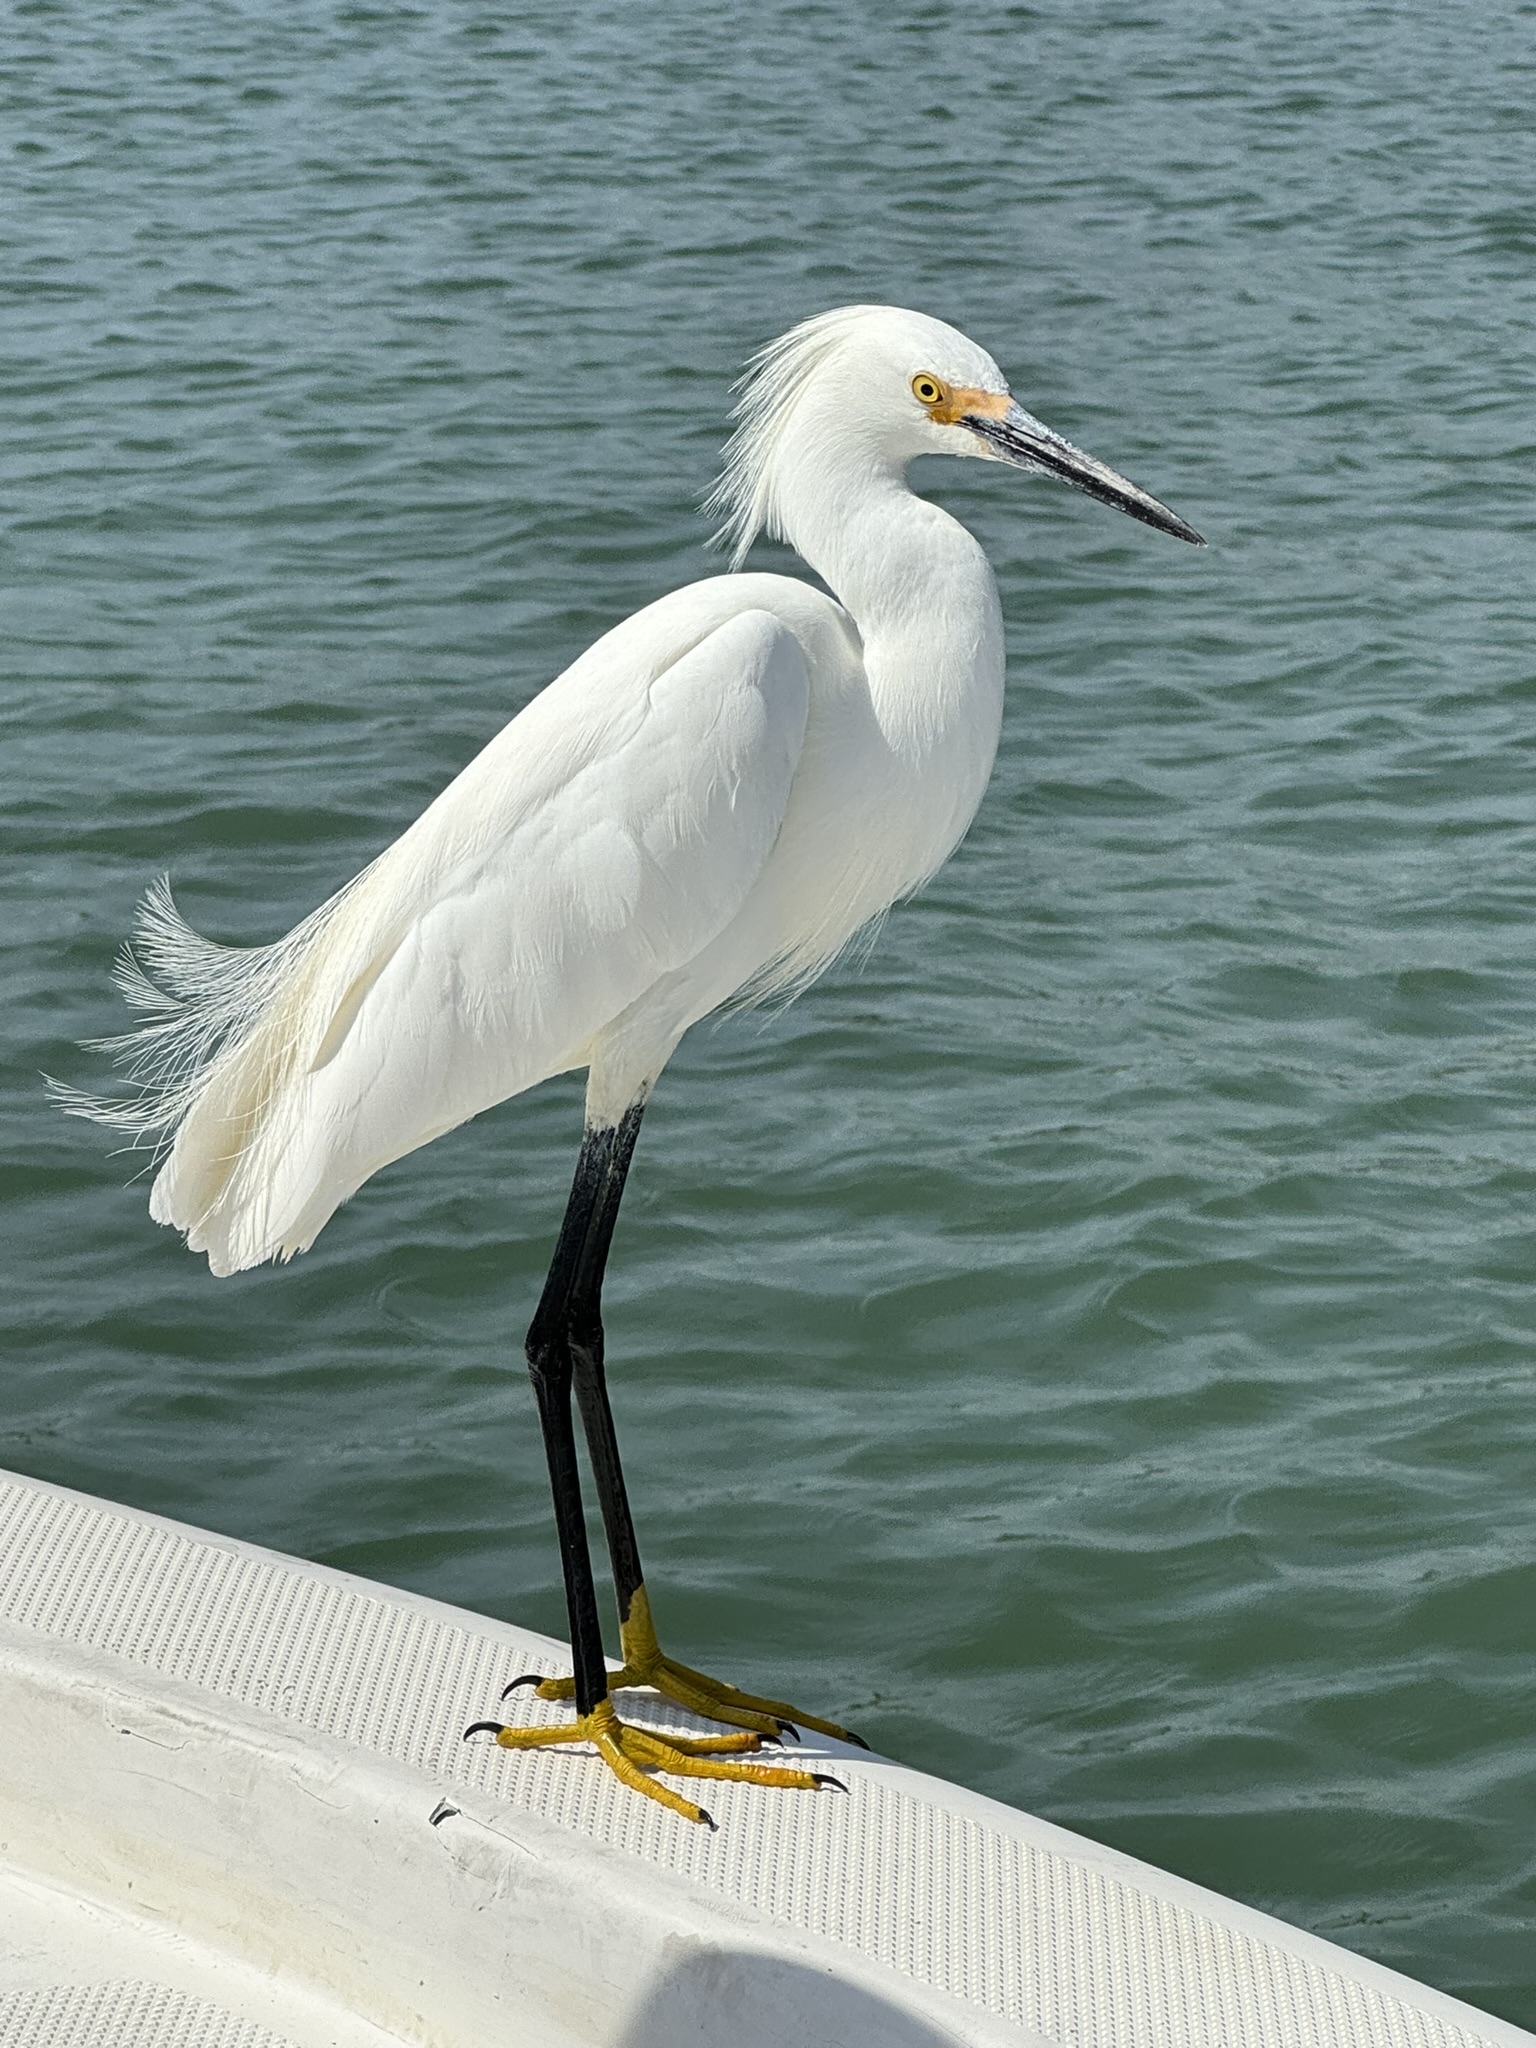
point(950, 403)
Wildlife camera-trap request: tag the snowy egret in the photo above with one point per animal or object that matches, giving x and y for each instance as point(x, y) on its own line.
point(708, 804)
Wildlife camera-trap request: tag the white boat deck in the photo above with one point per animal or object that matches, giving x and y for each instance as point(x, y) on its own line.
point(236, 1812)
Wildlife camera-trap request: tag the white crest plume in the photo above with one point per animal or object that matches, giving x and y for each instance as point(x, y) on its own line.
point(773, 383)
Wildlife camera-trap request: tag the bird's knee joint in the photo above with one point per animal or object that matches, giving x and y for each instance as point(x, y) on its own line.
point(549, 1361)
point(585, 1339)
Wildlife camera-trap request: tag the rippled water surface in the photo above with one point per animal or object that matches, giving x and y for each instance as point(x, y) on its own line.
point(1092, 1345)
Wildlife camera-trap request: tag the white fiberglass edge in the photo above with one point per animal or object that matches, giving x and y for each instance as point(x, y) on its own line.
point(246, 1773)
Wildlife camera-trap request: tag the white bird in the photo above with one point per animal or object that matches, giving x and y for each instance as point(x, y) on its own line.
point(709, 803)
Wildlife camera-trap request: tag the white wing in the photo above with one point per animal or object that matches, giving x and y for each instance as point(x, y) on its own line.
point(598, 843)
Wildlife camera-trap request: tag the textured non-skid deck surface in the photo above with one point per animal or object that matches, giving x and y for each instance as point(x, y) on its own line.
point(123, 2016)
point(962, 1895)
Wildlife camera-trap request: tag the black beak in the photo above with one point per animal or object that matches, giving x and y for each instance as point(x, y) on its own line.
point(1018, 437)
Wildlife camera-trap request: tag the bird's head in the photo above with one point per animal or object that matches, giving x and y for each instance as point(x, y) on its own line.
point(900, 384)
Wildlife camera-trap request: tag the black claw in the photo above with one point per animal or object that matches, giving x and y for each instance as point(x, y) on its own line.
point(788, 1728)
point(834, 1784)
point(849, 1736)
point(709, 1820)
point(483, 1728)
point(528, 1678)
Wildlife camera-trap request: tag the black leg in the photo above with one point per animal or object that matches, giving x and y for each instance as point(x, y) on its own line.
point(552, 1389)
point(585, 1326)
point(570, 1300)
point(565, 1356)
point(600, 1177)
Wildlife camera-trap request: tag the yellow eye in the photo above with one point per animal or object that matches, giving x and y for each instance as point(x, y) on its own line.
point(929, 390)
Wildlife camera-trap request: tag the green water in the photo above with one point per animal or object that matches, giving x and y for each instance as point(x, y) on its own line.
point(1092, 1346)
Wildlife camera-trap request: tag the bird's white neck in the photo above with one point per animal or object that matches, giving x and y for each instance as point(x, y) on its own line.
point(922, 594)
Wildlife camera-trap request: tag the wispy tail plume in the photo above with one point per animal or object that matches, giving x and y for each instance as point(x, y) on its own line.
point(201, 1002)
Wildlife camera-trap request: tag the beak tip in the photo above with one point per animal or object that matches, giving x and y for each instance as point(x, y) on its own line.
point(1152, 512)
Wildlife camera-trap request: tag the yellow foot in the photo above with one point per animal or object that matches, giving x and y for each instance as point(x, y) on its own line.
point(630, 1752)
point(644, 1664)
